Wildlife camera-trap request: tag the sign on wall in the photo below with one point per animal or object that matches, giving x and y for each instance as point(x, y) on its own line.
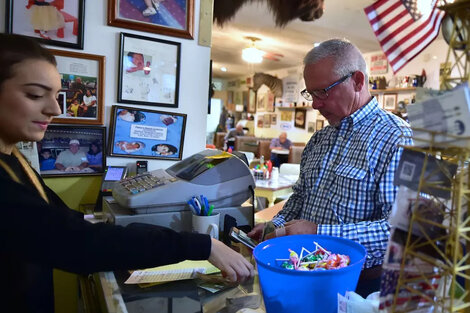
point(378, 64)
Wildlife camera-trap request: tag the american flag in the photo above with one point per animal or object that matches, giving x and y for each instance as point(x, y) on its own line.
point(404, 27)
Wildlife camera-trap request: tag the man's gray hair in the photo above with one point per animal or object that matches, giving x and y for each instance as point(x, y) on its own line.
point(347, 57)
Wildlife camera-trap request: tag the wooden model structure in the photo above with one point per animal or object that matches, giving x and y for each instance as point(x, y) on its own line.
point(445, 242)
point(456, 31)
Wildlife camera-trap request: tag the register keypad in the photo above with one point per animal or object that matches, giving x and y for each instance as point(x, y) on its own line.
point(143, 182)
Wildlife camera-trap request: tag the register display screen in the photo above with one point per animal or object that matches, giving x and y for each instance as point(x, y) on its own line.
point(114, 173)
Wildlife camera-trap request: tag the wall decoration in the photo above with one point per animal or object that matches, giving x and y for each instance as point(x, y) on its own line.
point(319, 124)
point(261, 100)
point(259, 122)
point(286, 116)
point(68, 150)
point(390, 101)
point(30, 150)
point(299, 120)
point(149, 70)
point(166, 17)
point(238, 97)
point(378, 64)
point(140, 133)
point(81, 99)
point(57, 23)
point(269, 101)
point(311, 127)
point(251, 107)
point(267, 120)
point(273, 119)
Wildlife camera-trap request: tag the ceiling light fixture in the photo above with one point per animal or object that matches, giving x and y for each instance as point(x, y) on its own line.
point(252, 54)
point(223, 69)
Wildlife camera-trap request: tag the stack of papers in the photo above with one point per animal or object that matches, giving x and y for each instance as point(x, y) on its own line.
point(172, 272)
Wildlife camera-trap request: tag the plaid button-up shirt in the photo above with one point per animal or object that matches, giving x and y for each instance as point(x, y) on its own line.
point(346, 179)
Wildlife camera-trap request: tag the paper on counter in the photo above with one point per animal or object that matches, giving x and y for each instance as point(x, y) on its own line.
point(172, 272)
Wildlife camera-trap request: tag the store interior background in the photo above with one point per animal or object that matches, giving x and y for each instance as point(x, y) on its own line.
point(341, 19)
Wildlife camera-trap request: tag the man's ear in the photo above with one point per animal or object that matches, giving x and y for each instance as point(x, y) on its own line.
point(359, 80)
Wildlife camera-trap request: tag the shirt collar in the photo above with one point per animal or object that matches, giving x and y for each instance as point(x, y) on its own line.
point(364, 113)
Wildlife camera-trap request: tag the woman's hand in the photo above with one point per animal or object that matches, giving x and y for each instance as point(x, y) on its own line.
point(233, 265)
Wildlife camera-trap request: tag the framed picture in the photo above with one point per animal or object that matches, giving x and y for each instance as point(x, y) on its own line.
point(149, 71)
point(261, 100)
point(390, 101)
point(267, 120)
point(319, 124)
point(57, 23)
point(171, 18)
point(299, 119)
point(311, 127)
point(140, 133)
point(81, 99)
point(273, 119)
point(69, 150)
point(269, 101)
point(251, 106)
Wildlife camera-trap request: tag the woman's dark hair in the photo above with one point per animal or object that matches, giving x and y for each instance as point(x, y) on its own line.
point(96, 144)
point(15, 49)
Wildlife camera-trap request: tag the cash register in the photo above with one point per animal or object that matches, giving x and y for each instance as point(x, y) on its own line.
point(160, 197)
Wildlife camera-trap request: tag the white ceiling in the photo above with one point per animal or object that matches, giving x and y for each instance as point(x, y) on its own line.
point(341, 18)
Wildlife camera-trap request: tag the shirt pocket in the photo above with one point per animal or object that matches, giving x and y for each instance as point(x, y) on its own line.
point(350, 192)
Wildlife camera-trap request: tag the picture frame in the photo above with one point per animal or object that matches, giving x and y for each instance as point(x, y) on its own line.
point(267, 120)
point(299, 118)
point(59, 147)
point(81, 99)
point(269, 101)
point(390, 101)
point(138, 83)
point(251, 107)
point(261, 101)
point(65, 21)
point(319, 124)
point(273, 119)
point(142, 133)
point(311, 127)
point(170, 18)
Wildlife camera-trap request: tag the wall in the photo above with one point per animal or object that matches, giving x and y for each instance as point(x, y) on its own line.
point(194, 83)
point(429, 60)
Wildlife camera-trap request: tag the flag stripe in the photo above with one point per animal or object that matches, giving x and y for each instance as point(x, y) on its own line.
point(401, 35)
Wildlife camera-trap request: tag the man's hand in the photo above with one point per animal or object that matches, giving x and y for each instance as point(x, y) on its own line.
point(233, 265)
point(296, 227)
point(256, 232)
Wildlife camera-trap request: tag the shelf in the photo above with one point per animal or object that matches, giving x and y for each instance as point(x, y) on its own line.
point(408, 89)
point(292, 108)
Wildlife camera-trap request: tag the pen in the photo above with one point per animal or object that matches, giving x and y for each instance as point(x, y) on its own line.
point(193, 209)
point(197, 205)
point(211, 208)
point(207, 204)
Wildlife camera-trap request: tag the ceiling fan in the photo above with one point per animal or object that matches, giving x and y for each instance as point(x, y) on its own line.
point(253, 54)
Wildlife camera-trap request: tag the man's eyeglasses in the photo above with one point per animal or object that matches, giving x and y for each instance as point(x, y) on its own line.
point(322, 94)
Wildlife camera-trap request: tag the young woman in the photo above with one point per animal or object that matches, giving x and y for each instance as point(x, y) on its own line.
point(38, 231)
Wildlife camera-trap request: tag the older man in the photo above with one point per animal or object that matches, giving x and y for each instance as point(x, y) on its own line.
point(280, 149)
point(72, 160)
point(345, 187)
point(232, 134)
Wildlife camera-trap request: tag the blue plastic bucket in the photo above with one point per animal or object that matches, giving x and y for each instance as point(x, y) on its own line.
point(314, 291)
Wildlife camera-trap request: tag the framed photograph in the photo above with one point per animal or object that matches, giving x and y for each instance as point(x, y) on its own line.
point(69, 150)
point(81, 99)
point(273, 119)
point(170, 18)
point(319, 124)
point(299, 118)
point(139, 133)
point(267, 120)
point(57, 23)
point(390, 101)
point(251, 106)
point(149, 71)
point(311, 127)
point(261, 101)
point(269, 101)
